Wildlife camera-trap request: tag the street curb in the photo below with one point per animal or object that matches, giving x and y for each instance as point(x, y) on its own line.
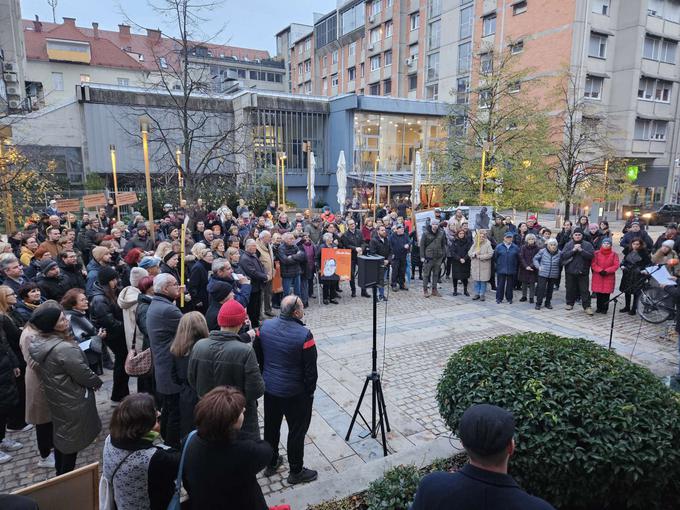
point(356, 480)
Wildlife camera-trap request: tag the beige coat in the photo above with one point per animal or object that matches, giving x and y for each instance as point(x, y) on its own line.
point(480, 261)
point(127, 300)
point(37, 410)
point(266, 258)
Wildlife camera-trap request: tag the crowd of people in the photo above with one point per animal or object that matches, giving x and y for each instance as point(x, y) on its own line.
point(209, 327)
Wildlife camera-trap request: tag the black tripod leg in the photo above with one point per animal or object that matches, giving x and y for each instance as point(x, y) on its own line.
point(383, 406)
point(611, 328)
point(382, 414)
point(356, 411)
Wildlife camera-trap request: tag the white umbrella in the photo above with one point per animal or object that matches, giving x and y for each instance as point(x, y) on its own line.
point(417, 178)
point(312, 174)
point(341, 176)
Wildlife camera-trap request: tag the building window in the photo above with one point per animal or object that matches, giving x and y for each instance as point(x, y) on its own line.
point(464, 57)
point(668, 50)
point(308, 44)
point(375, 63)
point(666, 9)
point(163, 63)
point(352, 49)
point(434, 8)
point(84, 78)
point(415, 21)
point(517, 47)
point(646, 129)
point(351, 74)
point(362, 69)
point(413, 52)
point(253, 74)
point(334, 57)
point(324, 85)
point(432, 91)
point(58, 81)
point(300, 49)
point(375, 35)
point(601, 7)
point(334, 80)
point(278, 78)
point(387, 87)
point(325, 61)
point(241, 73)
point(374, 89)
point(353, 18)
point(514, 87)
point(459, 125)
point(326, 31)
point(412, 82)
point(598, 45)
point(519, 8)
point(593, 89)
point(123, 82)
point(375, 7)
point(462, 90)
point(434, 35)
point(308, 87)
point(466, 20)
point(485, 98)
point(651, 89)
point(308, 66)
point(656, 48)
point(389, 26)
point(388, 58)
point(486, 63)
point(389, 3)
point(432, 68)
point(488, 25)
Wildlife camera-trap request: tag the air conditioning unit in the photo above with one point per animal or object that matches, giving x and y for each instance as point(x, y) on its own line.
point(371, 19)
point(13, 91)
point(10, 67)
point(14, 104)
point(410, 62)
point(10, 77)
point(370, 47)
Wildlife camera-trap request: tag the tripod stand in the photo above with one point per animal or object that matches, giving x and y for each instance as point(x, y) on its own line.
point(378, 409)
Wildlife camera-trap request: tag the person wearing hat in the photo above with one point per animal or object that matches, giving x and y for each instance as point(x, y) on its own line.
point(432, 253)
point(223, 359)
point(506, 258)
point(52, 283)
point(101, 257)
point(665, 254)
point(141, 239)
point(635, 232)
point(288, 353)
point(68, 383)
point(487, 433)
point(605, 264)
point(151, 265)
point(107, 314)
point(671, 233)
point(576, 259)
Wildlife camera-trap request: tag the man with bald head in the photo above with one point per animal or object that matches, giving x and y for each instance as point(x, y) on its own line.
point(288, 353)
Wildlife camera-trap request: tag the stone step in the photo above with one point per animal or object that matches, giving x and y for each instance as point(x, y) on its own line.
point(351, 481)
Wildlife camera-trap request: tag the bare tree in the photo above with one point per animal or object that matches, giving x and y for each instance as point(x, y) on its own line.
point(53, 5)
point(192, 117)
point(582, 147)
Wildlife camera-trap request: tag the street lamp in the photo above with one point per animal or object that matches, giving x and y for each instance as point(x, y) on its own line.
point(144, 128)
point(283, 179)
point(112, 148)
point(6, 141)
point(178, 157)
point(375, 186)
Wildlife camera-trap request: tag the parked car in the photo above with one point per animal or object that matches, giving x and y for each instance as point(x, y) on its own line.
point(667, 213)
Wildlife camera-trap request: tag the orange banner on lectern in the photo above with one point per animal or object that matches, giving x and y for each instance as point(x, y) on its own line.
point(336, 261)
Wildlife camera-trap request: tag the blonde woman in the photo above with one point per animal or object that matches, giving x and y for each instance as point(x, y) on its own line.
point(234, 256)
point(480, 254)
point(217, 247)
point(192, 327)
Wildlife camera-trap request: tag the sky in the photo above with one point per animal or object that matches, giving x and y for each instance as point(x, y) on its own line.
point(246, 23)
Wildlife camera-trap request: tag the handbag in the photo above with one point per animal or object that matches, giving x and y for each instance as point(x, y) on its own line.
point(176, 501)
point(138, 363)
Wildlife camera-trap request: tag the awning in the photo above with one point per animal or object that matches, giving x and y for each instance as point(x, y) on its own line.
point(384, 178)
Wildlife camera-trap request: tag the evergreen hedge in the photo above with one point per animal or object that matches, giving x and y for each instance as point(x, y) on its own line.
point(593, 431)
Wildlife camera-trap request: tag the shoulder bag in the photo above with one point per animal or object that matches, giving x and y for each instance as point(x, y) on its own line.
point(107, 500)
point(176, 501)
point(138, 364)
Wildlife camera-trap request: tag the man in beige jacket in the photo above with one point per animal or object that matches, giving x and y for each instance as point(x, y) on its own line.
point(266, 254)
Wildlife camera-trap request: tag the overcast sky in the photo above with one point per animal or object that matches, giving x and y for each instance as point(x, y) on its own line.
point(247, 23)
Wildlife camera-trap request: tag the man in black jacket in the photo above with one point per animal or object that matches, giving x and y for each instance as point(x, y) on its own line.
point(290, 255)
point(400, 246)
point(380, 245)
point(253, 269)
point(353, 240)
point(50, 280)
point(486, 432)
point(576, 259)
point(72, 271)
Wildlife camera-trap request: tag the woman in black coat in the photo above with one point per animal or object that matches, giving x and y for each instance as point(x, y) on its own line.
point(9, 395)
point(76, 308)
point(198, 278)
point(527, 273)
point(633, 264)
point(10, 327)
point(106, 314)
point(460, 263)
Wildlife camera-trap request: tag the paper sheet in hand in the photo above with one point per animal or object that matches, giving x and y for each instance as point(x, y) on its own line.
point(85, 345)
point(661, 275)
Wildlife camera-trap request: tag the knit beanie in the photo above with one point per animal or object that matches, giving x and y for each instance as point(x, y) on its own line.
point(607, 240)
point(231, 314)
point(46, 265)
point(168, 256)
point(98, 253)
point(669, 242)
point(136, 274)
point(218, 290)
point(106, 274)
point(148, 262)
point(45, 318)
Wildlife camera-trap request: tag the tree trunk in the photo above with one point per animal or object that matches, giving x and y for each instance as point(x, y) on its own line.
point(567, 206)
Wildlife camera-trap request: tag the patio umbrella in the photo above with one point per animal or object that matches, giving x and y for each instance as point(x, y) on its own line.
point(312, 174)
point(341, 176)
point(417, 179)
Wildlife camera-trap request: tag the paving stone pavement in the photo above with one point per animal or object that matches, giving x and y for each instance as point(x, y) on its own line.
point(419, 336)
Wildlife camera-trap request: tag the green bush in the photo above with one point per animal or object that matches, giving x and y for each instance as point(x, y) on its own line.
point(594, 431)
point(395, 491)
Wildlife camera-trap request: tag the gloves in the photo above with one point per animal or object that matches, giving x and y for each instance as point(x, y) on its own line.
point(603, 273)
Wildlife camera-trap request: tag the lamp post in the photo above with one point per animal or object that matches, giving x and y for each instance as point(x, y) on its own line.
point(6, 141)
point(375, 186)
point(283, 179)
point(144, 128)
point(112, 148)
point(308, 149)
point(278, 179)
point(180, 180)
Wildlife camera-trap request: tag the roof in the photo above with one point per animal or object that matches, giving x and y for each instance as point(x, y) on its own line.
point(118, 48)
